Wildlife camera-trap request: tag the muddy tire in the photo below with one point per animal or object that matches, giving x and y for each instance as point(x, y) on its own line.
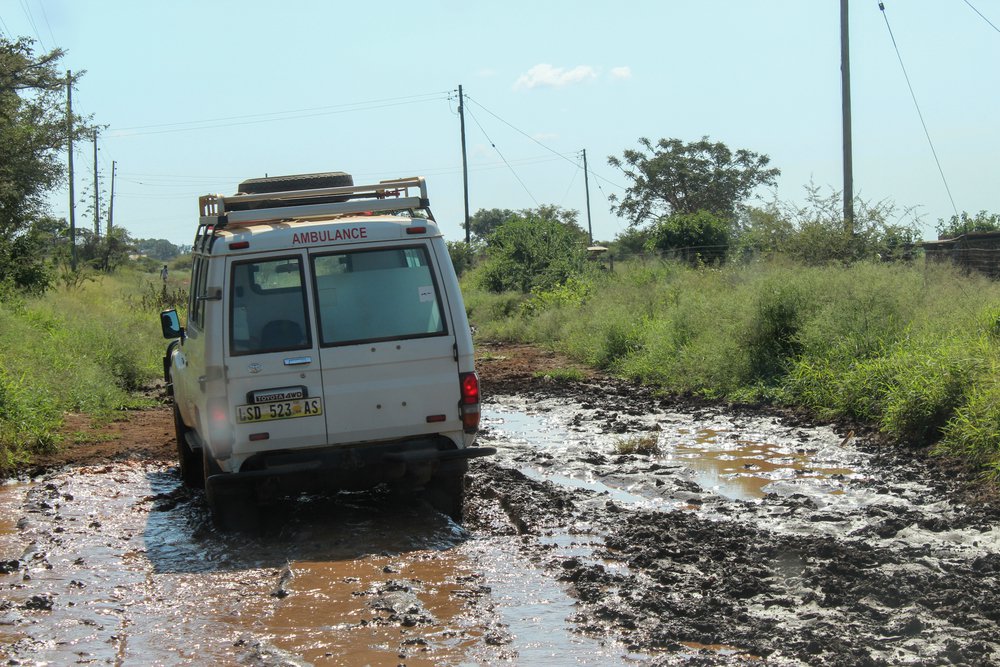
point(330, 179)
point(446, 491)
point(231, 504)
point(191, 471)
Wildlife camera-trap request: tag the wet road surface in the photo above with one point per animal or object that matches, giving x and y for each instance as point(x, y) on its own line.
point(744, 540)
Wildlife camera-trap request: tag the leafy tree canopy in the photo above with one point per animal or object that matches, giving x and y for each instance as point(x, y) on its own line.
point(157, 248)
point(964, 223)
point(674, 177)
point(526, 253)
point(33, 131)
point(486, 221)
point(699, 236)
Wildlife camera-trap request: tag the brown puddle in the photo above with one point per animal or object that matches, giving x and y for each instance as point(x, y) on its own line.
point(739, 468)
point(375, 610)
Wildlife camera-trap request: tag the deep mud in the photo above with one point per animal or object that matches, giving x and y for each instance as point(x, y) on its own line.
point(747, 538)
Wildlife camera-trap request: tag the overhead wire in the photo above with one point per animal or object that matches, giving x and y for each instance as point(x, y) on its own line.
point(982, 16)
point(502, 157)
point(274, 116)
point(31, 22)
point(551, 150)
point(48, 25)
point(881, 6)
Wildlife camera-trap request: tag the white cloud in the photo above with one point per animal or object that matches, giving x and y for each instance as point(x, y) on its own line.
point(621, 72)
point(544, 74)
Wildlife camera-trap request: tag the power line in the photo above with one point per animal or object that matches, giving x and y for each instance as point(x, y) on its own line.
point(292, 114)
point(31, 22)
point(981, 16)
point(927, 134)
point(48, 25)
point(502, 157)
point(553, 151)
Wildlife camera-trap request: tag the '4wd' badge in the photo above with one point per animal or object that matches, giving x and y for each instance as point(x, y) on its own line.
point(255, 367)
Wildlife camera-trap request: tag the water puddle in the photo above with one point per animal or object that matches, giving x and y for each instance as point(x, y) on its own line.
point(119, 564)
point(740, 468)
point(736, 459)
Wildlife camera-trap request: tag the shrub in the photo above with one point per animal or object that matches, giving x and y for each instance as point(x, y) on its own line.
point(527, 253)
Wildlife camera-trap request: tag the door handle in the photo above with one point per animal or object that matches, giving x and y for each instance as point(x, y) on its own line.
point(298, 361)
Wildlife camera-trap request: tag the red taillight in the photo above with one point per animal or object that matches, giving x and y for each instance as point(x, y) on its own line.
point(416, 230)
point(469, 406)
point(239, 245)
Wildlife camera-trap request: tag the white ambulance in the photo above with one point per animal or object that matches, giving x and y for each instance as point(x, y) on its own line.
point(326, 347)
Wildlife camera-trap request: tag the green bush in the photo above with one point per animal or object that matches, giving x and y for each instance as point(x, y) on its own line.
point(528, 253)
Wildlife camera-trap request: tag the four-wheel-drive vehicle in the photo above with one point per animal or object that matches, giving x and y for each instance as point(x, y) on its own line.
point(326, 347)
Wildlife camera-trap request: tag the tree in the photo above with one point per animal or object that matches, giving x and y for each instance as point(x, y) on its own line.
point(965, 223)
point(157, 248)
point(485, 221)
point(526, 253)
point(673, 177)
point(33, 132)
point(700, 236)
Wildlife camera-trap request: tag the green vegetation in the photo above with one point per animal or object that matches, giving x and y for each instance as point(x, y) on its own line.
point(638, 444)
point(913, 349)
point(562, 375)
point(87, 348)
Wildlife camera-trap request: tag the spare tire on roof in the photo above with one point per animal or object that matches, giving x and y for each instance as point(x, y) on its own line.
point(329, 179)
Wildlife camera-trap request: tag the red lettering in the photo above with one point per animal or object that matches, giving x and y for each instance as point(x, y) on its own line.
point(326, 235)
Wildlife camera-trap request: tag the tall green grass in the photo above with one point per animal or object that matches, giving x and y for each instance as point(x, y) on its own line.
point(82, 349)
point(912, 349)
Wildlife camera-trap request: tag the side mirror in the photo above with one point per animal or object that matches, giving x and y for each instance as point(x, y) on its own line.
point(171, 324)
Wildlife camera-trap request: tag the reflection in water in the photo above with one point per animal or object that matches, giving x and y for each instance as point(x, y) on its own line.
point(741, 468)
point(736, 460)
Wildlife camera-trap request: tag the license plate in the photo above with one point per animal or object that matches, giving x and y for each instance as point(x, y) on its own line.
point(303, 407)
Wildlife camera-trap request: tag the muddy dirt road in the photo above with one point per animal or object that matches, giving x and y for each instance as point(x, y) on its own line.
point(747, 539)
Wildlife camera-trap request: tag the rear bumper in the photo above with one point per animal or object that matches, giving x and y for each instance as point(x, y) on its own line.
point(409, 463)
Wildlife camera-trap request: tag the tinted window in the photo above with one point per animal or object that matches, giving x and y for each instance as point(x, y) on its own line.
point(196, 306)
point(268, 307)
point(376, 295)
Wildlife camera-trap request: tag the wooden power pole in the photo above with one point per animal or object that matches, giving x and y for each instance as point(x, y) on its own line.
point(72, 197)
point(586, 188)
point(97, 194)
point(111, 201)
point(845, 86)
point(465, 166)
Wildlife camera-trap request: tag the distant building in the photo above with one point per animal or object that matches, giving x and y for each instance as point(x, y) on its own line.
point(974, 251)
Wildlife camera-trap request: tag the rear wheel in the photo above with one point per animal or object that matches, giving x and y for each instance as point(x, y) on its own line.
point(446, 490)
point(231, 503)
point(189, 460)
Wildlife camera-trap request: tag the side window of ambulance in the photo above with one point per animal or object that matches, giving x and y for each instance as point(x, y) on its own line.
point(376, 295)
point(268, 307)
point(196, 306)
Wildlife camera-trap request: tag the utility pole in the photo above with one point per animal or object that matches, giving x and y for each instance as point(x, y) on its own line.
point(72, 198)
point(586, 187)
point(97, 194)
point(111, 202)
point(465, 166)
point(845, 86)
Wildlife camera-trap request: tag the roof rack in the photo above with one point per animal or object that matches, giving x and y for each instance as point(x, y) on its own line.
point(218, 211)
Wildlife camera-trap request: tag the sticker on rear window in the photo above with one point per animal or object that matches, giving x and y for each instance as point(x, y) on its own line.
point(426, 294)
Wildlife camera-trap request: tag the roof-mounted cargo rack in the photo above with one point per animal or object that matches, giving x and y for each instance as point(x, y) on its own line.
point(390, 196)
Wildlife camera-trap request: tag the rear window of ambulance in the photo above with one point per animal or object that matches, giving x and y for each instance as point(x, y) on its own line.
point(372, 295)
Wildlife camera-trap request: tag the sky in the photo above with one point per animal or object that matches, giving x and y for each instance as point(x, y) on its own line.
point(195, 97)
